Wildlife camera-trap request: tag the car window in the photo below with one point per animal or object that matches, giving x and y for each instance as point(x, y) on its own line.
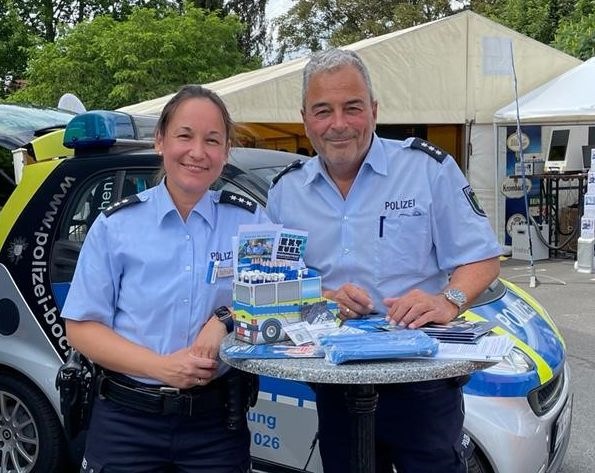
point(19, 123)
point(94, 197)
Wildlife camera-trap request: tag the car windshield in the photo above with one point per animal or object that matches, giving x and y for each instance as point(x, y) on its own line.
point(19, 123)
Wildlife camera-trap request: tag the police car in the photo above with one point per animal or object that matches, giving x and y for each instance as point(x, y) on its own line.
point(518, 412)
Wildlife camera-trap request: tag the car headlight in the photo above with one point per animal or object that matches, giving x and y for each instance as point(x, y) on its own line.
point(516, 362)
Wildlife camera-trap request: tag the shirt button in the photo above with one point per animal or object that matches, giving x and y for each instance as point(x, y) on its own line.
point(187, 237)
point(346, 251)
point(188, 267)
point(345, 217)
point(185, 301)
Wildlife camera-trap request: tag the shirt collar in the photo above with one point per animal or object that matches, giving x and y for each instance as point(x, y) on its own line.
point(376, 159)
point(165, 205)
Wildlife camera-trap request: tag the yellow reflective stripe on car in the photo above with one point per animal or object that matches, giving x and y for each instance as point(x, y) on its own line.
point(544, 371)
point(36, 174)
point(50, 146)
point(536, 306)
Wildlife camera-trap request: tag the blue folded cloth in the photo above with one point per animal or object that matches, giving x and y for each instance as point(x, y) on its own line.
point(407, 343)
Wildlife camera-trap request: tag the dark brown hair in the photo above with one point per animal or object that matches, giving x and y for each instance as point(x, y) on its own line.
point(194, 92)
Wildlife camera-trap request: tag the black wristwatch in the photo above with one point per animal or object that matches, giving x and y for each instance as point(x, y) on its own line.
point(224, 315)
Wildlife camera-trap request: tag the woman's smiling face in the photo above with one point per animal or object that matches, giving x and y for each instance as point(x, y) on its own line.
point(194, 147)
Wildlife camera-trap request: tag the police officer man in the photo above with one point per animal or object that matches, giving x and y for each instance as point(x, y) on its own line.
point(394, 227)
point(144, 305)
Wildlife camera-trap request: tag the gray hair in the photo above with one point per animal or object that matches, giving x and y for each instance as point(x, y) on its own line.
point(330, 60)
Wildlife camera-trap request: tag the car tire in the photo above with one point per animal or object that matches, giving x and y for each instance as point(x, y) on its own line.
point(478, 464)
point(25, 412)
point(271, 330)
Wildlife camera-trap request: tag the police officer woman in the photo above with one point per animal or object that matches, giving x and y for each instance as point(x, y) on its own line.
point(143, 306)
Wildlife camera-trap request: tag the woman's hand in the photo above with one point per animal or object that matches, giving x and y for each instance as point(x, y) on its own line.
point(184, 369)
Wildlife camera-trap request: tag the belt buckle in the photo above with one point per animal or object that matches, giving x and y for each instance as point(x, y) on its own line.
point(174, 402)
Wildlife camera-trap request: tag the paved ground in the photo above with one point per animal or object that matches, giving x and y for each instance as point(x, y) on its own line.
point(572, 306)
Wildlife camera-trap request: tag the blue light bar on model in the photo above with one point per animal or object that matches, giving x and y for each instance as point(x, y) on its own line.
point(98, 129)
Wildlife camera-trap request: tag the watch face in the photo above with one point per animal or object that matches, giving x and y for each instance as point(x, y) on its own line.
point(456, 296)
point(222, 312)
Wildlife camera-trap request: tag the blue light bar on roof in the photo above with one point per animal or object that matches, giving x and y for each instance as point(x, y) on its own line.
point(98, 129)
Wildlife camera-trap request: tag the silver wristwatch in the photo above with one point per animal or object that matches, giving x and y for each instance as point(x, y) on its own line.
point(457, 297)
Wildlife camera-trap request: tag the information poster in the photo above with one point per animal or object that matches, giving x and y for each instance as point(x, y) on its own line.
point(512, 186)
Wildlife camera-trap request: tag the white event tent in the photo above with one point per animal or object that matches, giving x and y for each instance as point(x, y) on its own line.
point(567, 101)
point(449, 75)
point(568, 98)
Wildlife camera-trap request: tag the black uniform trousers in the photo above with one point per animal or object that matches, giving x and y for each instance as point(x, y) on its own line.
point(418, 427)
point(122, 439)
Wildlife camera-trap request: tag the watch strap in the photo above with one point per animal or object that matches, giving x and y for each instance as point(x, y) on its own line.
point(225, 317)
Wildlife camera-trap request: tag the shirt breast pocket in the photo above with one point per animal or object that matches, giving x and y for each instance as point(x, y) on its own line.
point(403, 244)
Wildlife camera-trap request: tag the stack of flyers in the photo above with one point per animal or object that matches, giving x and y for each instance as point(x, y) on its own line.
point(459, 331)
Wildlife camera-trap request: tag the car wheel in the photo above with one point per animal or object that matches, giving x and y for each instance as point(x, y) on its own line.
point(478, 464)
point(271, 330)
point(31, 436)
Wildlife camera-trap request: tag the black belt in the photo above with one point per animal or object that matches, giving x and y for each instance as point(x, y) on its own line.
point(163, 399)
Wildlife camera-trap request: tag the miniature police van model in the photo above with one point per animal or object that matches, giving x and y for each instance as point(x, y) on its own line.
point(518, 412)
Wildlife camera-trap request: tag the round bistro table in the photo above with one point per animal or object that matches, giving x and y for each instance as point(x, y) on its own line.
point(361, 378)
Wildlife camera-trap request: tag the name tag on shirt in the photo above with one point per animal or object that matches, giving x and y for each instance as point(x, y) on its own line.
point(215, 270)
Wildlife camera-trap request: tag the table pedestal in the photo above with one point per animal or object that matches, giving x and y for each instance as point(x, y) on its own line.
point(361, 404)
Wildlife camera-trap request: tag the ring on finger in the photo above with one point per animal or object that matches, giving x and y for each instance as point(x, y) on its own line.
point(347, 310)
point(198, 380)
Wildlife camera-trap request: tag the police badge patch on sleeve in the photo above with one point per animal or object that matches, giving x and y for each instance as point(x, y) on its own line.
point(474, 201)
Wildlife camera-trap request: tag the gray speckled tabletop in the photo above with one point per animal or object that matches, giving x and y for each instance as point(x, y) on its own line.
point(318, 370)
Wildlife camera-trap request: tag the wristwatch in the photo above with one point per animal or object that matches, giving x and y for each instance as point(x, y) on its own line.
point(457, 297)
point(225, 317)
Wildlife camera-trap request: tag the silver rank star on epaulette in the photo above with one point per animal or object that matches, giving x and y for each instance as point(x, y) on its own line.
point(238, 200)
point(428, 148)
point(131, 199)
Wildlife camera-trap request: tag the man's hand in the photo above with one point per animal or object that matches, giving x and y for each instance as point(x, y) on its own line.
point(418, 308)
point(353, 301)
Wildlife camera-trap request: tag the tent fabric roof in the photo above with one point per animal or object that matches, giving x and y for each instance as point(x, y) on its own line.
point(569, 97)
point(440, 72)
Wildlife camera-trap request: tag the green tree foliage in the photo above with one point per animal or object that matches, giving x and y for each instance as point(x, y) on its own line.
point(538, 19)
point(311, 25)
point(251, 13)
point(576, 33)
point(109, 64)
point(15, 39)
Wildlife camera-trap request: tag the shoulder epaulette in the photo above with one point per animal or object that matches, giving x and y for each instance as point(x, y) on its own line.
point(131, 199)
point(297, 164)
point(238, 200)
point(428, 148)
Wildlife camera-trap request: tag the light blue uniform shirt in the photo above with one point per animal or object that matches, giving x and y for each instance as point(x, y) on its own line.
point(407, 222)
point(143, 271)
